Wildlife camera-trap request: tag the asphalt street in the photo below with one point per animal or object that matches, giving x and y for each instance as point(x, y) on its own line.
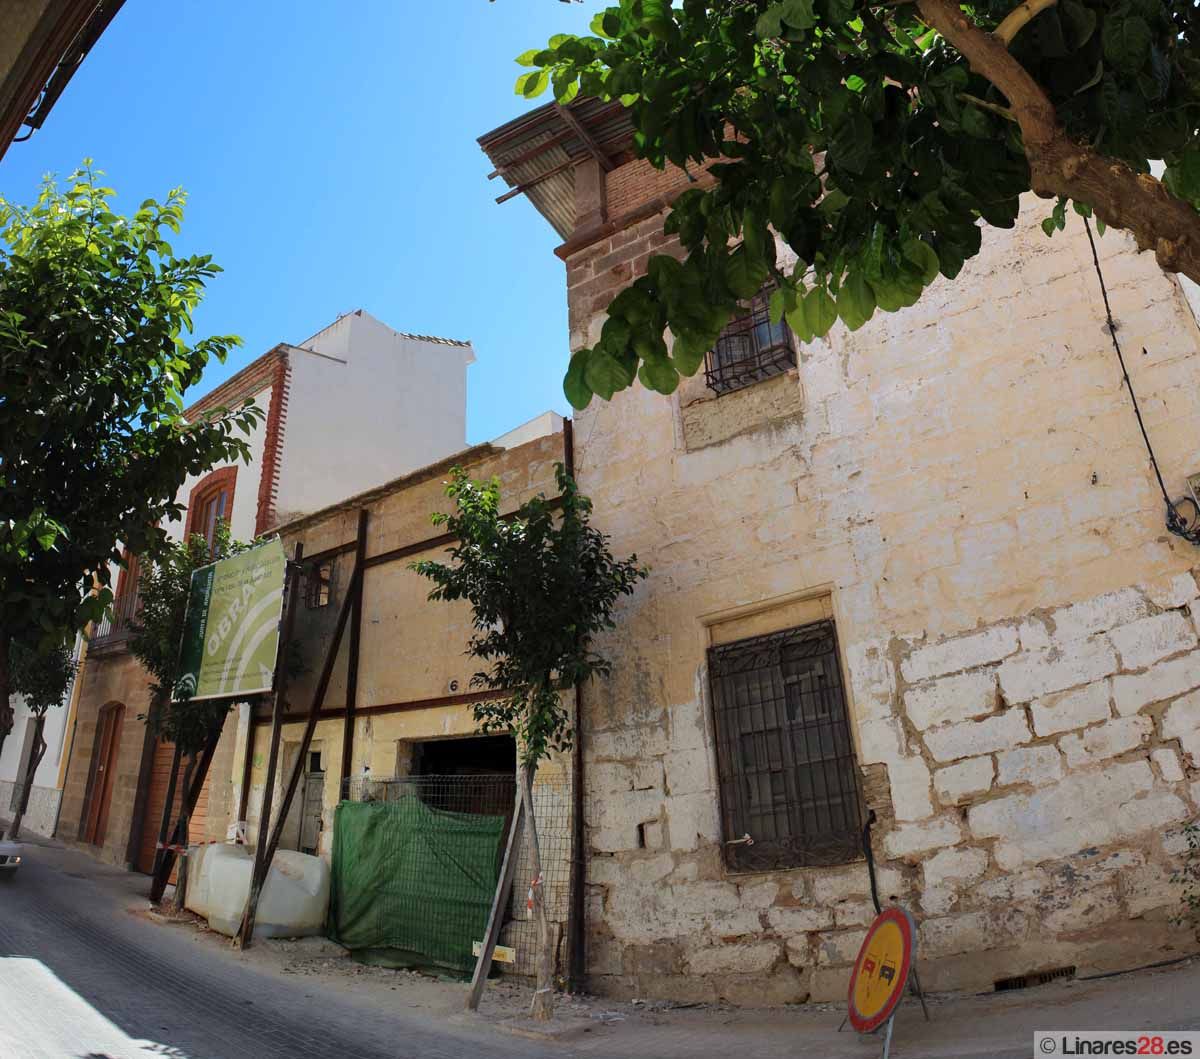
point(81, 975)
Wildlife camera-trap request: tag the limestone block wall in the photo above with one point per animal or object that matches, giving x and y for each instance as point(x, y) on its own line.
point(962, 488)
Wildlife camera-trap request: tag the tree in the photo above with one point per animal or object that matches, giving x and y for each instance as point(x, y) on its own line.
point(157, 633)
point(541, 587)
point(95, 355)
point(872, 137)
point(42, 678)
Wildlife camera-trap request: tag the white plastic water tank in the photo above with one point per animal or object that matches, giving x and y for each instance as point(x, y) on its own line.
point(293, 902)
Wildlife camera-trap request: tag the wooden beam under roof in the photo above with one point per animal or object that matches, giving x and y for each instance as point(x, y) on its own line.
point(585, 137)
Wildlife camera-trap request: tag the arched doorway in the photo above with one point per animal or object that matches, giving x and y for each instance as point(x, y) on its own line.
point(103, 773)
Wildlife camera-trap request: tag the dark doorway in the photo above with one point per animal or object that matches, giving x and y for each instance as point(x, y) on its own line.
point(482, 755)
point(104, 773)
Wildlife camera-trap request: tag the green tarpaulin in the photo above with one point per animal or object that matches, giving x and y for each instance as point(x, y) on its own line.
point(412, 886)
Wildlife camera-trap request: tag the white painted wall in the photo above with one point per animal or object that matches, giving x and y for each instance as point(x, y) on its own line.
point(367, 405)
point(537, 427)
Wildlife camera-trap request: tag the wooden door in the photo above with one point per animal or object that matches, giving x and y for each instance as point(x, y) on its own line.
point(104, 758)
point(160, 777)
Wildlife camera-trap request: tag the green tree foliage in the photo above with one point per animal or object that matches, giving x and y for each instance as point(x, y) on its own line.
point(877, 141)
point(95, 356)
point(541, 585)
point(42, 678)
point(158, 631)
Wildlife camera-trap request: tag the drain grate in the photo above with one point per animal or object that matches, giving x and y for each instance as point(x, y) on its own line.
point(1024, 981)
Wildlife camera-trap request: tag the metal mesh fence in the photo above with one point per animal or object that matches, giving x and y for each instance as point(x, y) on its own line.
point(435, 846)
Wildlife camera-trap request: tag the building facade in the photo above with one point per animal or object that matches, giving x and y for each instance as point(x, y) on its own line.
point(918, 571)
point(353, 406)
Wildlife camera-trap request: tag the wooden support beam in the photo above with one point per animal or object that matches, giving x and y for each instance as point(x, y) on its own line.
point(291, 594)
point(165, 825)
point(500, 899)
point(191, 796)
point(247, 766)
point(360, 556)
point(265, 853)
point(585, 137)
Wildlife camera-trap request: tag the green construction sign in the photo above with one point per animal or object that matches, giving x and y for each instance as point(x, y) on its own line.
point(231, 631)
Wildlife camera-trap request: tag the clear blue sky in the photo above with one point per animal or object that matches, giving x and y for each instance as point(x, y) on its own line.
point(329, 154)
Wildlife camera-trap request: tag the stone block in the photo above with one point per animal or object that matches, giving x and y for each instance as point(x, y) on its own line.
point(908, 839)
point(1079, 620)
point(1148, 640)
point(948, 935)
point(956, 783)
point(1171, 592)
point(971, 738)
point(1167, 762)
point(1149, 887)
point(782, 985)
point(651, 869)
point(1106, 740)
point(829, 984)
point(1072, 709)
point(1084, 809)
point(939, 900)
point(689, 772)
point(1036, 765)
point(1080, 910)
point(1149, 813)
point(853, 913)
point(909, 778)
point(1163, 681)
point(835, 884)
point(954, 698)
point(745, 957)
point(961, 652)
point(1030, 675)
point(1033, 635)
point(789, 921)
point(1182, 716)
point(692, 820)
point(881, 742)
point(840, 947)
point(949, 866)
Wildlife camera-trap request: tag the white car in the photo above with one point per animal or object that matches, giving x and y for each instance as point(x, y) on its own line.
point(10, 859)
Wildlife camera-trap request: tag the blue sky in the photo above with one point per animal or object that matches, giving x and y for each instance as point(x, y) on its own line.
point(329, 154)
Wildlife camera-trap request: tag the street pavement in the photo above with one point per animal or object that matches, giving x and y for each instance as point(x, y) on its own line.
point(86, 974)
point(82, 975)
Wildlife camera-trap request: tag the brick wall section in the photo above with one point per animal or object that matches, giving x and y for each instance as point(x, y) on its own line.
point(272, 460)
point(633, 183)
point(966, 480)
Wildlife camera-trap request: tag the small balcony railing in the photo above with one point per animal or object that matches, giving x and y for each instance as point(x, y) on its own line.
point(117, 625)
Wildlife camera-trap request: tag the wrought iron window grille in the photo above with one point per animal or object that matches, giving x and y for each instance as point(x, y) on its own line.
point(788, 775)
point(750, 349)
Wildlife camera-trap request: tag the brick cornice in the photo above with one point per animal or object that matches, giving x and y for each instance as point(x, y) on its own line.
point(272, 458)
point(252, 379)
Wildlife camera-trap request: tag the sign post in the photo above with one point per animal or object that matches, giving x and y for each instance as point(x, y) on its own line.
point(881, 973)
point(231, 631)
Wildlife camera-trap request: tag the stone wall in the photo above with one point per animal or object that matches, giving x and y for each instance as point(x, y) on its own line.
point(962, 487)
point(40, 814)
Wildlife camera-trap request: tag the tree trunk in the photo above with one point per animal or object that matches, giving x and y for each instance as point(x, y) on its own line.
point(542, 1008)
point(1058, 165)
point(164, 826)
point(35, 759)
point(6, 710)
point(185, 820)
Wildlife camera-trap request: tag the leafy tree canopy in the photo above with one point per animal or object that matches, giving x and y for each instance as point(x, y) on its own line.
point(41, 677)
point(95, 356)
point(541, 585)
point(158, 631)
point(875, 140)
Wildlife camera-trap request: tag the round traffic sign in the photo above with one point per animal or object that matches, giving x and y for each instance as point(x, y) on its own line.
point(881, 970)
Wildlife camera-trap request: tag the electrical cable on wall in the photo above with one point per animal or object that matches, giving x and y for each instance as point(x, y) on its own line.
point(1187, 528)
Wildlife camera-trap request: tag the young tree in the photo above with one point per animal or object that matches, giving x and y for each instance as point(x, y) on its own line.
point(157, 633)
point(872, 137)
point(541, 584)
point(42, 678)
point(95, 355)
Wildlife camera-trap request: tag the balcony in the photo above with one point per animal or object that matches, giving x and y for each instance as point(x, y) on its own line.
point(116, 626)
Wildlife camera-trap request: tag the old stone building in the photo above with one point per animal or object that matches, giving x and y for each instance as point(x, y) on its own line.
point(921, 570)
point(354, 405)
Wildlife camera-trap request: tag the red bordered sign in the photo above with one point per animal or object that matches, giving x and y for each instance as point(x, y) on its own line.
point(881, 970)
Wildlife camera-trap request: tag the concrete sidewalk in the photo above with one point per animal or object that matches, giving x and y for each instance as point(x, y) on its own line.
point(315, 976)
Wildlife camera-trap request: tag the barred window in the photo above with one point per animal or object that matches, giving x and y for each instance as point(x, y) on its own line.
point(320, 584)
point(750, 349)
point(787, 770)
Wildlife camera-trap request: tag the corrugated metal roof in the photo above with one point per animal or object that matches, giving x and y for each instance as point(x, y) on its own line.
point(534, 153)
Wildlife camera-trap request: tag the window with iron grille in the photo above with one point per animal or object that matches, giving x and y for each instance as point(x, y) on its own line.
point(750, 349)
point(320, 584)
point(788, 774)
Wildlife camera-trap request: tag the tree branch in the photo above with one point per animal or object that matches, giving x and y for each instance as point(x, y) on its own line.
point(1121, 197)
point(1018, 17)
point(995, 108)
